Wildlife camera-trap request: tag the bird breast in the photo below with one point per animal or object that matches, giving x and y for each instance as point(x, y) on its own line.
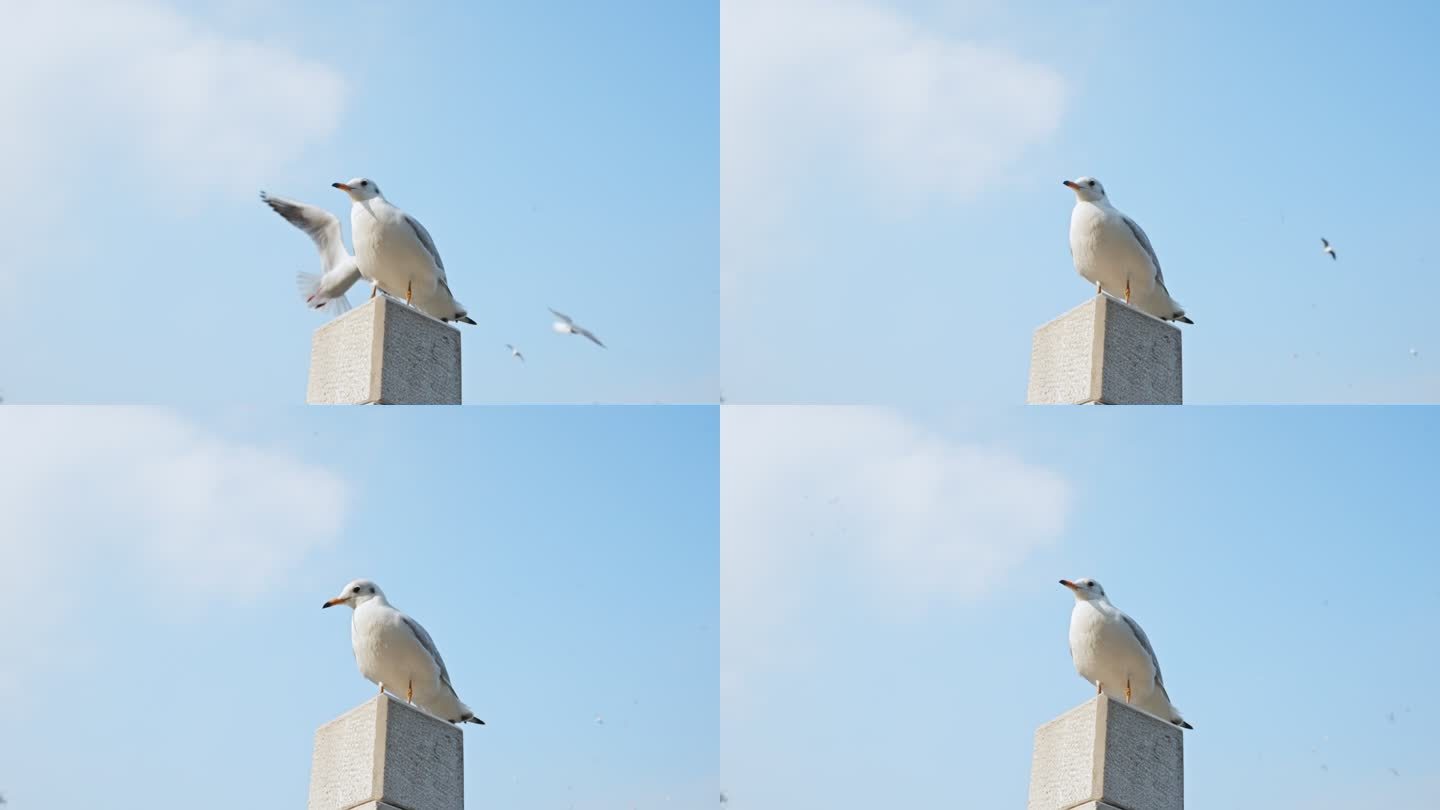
point(1106, 651)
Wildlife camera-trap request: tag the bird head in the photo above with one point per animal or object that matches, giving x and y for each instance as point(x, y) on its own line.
point(356, 593)
point(1085, 589)
point(1087, 189)
point(359, 189)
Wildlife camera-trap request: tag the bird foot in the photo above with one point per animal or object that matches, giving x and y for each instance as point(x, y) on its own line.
point(1099, 687)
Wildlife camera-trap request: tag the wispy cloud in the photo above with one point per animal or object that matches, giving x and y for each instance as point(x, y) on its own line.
point(846, 93)
point(913, 519)
point(147, 497)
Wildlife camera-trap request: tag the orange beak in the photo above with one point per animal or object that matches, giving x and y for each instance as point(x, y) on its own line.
point(333, 602)
point(1070, 183)
point(341, 186)
point(1067, 583)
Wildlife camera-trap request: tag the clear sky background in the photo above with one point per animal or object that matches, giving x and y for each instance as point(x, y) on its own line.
point(563, 154)
point(893, 630)
point(894, 228)
point(162, 574)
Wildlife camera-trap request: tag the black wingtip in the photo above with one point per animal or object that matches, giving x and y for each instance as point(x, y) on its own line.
point(1183, 319)
point(1184, 724)
point(466, 319)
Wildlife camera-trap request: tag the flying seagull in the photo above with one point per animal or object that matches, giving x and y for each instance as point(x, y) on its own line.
point(515, 353)
point(1111, 252)
point(1112, 652)
point(394, 651)
point(396, 253)
point(567, 326)
point(338, 271)
point(1326, 248)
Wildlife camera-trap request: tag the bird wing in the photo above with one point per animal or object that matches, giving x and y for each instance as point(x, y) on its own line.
point(424, 237)
point(1149, 250)
point(562, 316)
point(587, 333)
point(320, 225)
point(429, 645)
point(1145, 642)
point(1324, 241)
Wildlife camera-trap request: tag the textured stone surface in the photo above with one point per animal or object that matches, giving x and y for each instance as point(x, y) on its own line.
point(1104, 352)
point(387, 353)
point(1108, 753)
point(384, 754)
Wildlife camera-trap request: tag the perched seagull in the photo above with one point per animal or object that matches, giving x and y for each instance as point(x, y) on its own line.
point(394, 651)
point(515, 353)
point(1326, 248)
point(1112, 652)
point(1111, 251)
point(338, 271)
point(567, 326)
point(396, 253)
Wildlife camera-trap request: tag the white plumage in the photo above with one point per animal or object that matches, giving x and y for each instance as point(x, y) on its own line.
point(1112, 652)
point(394, 652)
point(338, 271)
point(396, 254)
point(1113, 253)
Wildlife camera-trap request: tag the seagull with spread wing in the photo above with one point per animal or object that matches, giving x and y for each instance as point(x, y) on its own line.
point(566, 325)
point(396, 653)
point(338, 271)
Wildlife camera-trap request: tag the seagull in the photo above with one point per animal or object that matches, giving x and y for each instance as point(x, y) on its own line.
point(1110, 250)
point(567, 326)
point(1110, 649)
point(396, 253)
point(338, 271)
point(515, 353)
point(1326, 248)
point(394, 651)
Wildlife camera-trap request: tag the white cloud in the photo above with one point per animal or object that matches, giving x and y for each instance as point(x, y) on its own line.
point(911, 518)
point(823, 91)
point(117, 81)
point(144, 495)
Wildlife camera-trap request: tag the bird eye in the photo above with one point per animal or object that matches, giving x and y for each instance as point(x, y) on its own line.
point(1091, 184)
point(357, 589)
point(367, 182)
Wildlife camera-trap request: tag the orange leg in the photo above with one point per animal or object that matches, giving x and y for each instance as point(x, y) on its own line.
point(408, 291)
point(410, 692)
point(1127, 290)
point(1127, 690)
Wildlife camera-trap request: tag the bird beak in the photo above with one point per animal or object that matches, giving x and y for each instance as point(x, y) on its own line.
point(1067, 583)
point(1070, 183)
point(339, 600)
point(341, 186)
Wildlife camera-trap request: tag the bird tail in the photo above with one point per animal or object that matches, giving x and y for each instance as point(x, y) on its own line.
point(463, 318)
point(309, 286)
point(470, 718)
point(1183, 318)
point(1183, 724)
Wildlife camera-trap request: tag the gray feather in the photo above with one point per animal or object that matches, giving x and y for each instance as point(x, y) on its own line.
point(1149, 250)
point(429, 645)
point(1145, 642)
point(424, 237)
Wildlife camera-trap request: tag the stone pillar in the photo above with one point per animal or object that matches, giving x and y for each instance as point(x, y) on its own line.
point(387, 755)
point(1105, 352)
point(384, 353)
point(1104, 755)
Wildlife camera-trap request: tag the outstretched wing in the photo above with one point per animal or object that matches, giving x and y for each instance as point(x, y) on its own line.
point(587, 333)
point(424, 237)
point(1149, 250)
point(562, 316)
point(320, 225)
point(429, 645)
point(1145, 642)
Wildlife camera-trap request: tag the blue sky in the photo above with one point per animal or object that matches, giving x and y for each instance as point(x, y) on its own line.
point(563, 154)
point(903, 647)
point(894, 227)
point(164, 572)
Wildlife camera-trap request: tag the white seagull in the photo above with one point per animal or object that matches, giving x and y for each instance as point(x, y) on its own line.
point(338, 271)
point(515, 353)
point(394, 651)
point(396, 253)
point(567, 326)
point(1111, 252)
point(1326, 248)
point(1112, 652)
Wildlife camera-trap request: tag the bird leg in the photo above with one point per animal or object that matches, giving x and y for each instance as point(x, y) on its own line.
point(1098, 289)
point(382, 688)
point(1127, 290)
point(1127, 690)
point(1099, 688)
point(410, 692)
point(373, 288)
point(409, 285)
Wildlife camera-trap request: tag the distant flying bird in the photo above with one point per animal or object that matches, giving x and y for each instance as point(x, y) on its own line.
point(1114, 254)
point(515, 353)
point(1112, 652)
point(567, 326)
point(396, 653)
point(396, 253)
point(1414, 352)
point(338, 271)
point(1326, 248)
